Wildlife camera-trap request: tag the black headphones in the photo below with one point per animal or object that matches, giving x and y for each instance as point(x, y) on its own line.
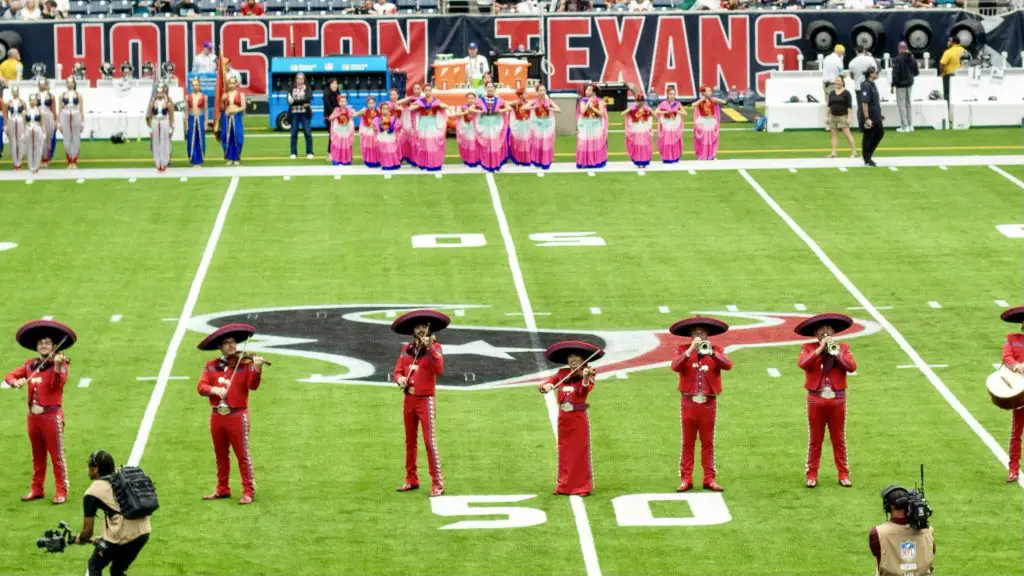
point(887, 506)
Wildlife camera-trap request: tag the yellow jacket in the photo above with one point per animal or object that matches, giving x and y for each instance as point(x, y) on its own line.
point(950, 61)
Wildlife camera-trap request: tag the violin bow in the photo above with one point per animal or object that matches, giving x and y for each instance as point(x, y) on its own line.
point(47, 359)
point(573, 371)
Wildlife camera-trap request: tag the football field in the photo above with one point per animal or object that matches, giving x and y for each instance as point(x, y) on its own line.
point(924, 253)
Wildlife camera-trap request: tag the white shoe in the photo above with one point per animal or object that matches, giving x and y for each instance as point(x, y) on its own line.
point(911, 129)
point(292, 156)
point(901, 129)
point(309, 156)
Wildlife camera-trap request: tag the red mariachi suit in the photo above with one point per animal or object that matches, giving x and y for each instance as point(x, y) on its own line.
point(699, 375)
point(822, 412)
point(231, 431)
point(1013, 356)
point(575, 470)
point(45, 430)
point(420, 408)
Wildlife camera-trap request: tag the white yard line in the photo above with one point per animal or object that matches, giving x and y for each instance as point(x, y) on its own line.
point(84, 382)
point(179, 332)
point(1007, 175)
point(1002, 303)
point(909, 350)
point(578, 508)
point(559, 167)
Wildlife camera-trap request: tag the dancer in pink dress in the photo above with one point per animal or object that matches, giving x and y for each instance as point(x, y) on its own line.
point(492, 129)
point(387, 140)
point(465, 131)
point(591, 130)
point(520, 131)
point(407, 143)
point(430, 131)
point(367, 133)
point(670, 114)
point(542, 137)
point(707, 115)
point(639, 124)
point(342, 131)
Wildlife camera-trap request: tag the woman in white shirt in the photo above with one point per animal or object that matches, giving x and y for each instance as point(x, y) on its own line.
point(640, 6)
point(30, 11)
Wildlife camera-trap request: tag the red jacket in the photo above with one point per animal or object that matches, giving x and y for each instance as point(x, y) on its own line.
point(254, 9)
point(47, 387)
point(215, 375)
point(572, 390)
point(813, 364)
point(428, 367)
point(1013, 350)
point(707, 369)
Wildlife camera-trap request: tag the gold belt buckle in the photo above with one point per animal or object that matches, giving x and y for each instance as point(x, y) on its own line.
point(223, 409)
point(566, 407)
point(411, 389)
point(36, 409)
point(699, 398)
point(828, 393)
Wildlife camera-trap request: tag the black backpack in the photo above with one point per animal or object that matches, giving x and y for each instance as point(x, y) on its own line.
point(134, 492)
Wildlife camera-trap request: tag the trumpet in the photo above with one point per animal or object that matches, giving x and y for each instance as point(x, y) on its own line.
point(704, 348)
point(833, 347)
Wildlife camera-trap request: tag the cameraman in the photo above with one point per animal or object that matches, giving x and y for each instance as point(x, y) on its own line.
point(899, 548)
point(122, 538)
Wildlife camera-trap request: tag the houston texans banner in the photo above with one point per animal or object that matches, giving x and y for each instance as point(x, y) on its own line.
point(733, 49)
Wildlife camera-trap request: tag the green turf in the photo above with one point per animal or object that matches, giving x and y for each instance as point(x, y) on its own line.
point(264, 146)
point(328, 456)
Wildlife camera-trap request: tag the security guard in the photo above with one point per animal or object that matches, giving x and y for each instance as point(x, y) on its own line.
point(122, 538)
point(899, 549)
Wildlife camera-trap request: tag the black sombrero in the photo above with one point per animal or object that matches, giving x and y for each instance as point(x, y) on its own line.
point(1014, 315)
point(32, 332)
point(240, 332)
point(838, 322)
point(710, 325)
point(559, 352)
point(405, 323)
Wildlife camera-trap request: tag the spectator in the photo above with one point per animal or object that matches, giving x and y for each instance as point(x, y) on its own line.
point(30, 11)
point(160, 7)
point(185, 8)
point(50, 10)
point(859, 66)
point(904, 69)
point(230, 73)
point(831, 68)
point(640, 6)
point(384, 8)
point(330, 103)
point(364, 9)
point(575, 6)
point(300, 98)
point(252, 8)
point(476, 65)
point(923, 4)
point(839, 111)
point(11, 70)
point(206, 61)
point(7, 10)
point(950, 63)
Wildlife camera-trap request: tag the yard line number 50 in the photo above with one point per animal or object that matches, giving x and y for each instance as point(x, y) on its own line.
point(706, 509)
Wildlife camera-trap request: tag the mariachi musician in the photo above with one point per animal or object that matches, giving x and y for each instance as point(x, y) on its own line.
point(45, 377)
point(826, 363)
point(419, 364)
point(1013, 358)
point(226, 381)
point(573, 384)
point(700, 366)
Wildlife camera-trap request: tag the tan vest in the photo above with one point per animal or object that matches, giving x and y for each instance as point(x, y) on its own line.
point(117, 529)
point(905, 551)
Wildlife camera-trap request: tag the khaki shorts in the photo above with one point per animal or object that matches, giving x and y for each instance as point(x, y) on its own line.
point(837, 122)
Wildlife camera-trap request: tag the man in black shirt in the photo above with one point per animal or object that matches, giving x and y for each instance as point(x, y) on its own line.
point(301, 109)
point(869, 114)
point(904, 69)
point(122, 538)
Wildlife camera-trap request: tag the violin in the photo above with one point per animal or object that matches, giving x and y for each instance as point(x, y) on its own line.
point(248, 359)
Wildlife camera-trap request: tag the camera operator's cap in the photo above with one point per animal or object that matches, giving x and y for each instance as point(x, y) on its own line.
point(472, 46)
point(710, 325)
point(1015, 315)
point(32, 332)
point(405, 323)
point(838, 322)
point(207, 44)
point(559, 352)
point(240, 332)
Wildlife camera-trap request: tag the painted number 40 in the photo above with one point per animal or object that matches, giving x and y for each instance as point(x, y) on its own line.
point(705, 509)
point(540, 239)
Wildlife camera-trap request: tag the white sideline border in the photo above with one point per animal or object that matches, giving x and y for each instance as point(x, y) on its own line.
point(693, 166)
point(179, 332)
point(579, 510)
point(909, 350)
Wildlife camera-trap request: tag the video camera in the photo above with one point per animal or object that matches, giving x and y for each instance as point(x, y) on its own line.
point(912, 501)
point(55, 541)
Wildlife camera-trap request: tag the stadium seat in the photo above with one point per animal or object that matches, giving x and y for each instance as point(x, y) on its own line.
point(123, 7)
point(339, 5)
point(318, 6)
point(275, 6)
point(99, 7)
point(295, 6)
point(206, 6)
point(78, 7)
point(662, 3)
point(426, 5)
